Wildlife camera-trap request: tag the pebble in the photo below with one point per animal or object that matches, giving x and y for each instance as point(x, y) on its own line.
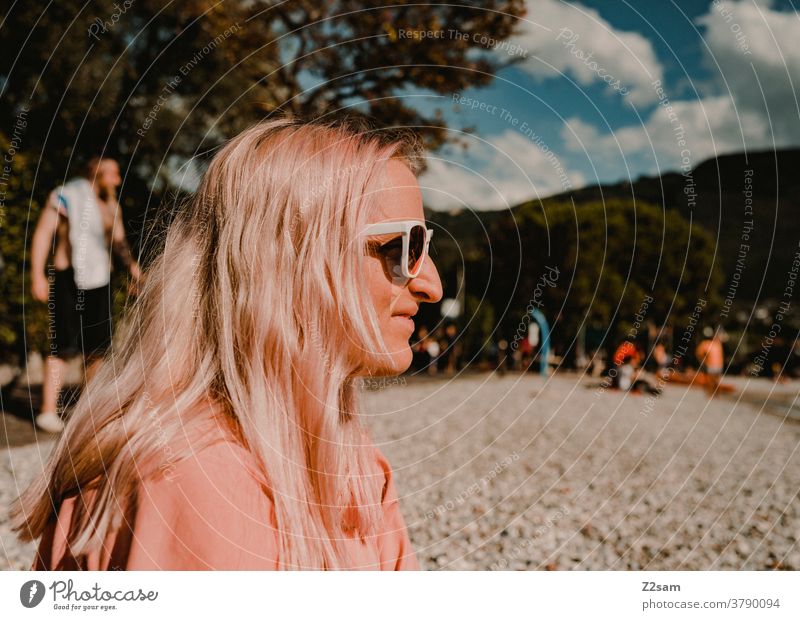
point(519, 472)
point(580, 480)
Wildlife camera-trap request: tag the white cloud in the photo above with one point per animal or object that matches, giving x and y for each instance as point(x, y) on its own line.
point(707, 127)
point(579, 36)
point(747, 44)
point(750, 103)
point(506, 169)
point(753, 48)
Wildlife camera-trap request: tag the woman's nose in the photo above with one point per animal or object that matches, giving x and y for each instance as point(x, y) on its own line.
point(427, 286)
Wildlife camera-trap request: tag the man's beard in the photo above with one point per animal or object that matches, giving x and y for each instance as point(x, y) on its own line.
point(105, 193)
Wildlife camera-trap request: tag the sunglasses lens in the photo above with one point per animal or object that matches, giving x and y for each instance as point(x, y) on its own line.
point(392, 255)
point(416, 248)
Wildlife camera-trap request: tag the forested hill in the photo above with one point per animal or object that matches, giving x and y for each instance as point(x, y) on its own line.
point(721, 206)
point(722, 195)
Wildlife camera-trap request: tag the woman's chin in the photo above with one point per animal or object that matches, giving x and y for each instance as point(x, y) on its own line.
point(397, 363)
point(401, 361)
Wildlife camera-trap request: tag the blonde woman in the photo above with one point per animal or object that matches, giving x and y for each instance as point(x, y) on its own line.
point(224, 433)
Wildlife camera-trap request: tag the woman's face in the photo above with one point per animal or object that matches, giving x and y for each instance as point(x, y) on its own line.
point(397, 300)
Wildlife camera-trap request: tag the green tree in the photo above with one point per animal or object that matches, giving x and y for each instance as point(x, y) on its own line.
point(17, 308)
point(159, 84)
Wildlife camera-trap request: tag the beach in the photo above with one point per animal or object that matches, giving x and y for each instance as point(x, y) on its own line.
point(525, 472)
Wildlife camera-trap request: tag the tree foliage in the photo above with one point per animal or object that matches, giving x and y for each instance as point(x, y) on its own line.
point(16, 306)
point(158, 84)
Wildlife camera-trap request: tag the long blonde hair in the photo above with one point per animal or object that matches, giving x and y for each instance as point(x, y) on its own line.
point(255, 304)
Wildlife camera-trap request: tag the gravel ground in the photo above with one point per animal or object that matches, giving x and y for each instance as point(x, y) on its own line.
point(18, 467)
point(517, 472)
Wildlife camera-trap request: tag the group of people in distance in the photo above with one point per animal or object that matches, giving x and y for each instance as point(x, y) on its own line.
point(627, 368)
point(437, 352)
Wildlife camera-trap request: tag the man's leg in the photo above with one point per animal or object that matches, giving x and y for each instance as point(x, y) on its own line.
point(52, 383)
point(62, 295)
point(97, 326)
point(715, 378)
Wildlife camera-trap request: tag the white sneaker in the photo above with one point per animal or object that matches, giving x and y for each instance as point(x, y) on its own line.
point(50, 422)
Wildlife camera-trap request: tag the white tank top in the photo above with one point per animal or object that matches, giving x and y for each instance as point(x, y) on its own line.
point(91, 259)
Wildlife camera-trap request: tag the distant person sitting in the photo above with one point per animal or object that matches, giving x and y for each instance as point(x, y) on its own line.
point(626, 372)
point(84, 217)
point(623, 363)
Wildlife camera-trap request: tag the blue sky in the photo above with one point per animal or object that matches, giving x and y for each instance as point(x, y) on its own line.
point(728, 71)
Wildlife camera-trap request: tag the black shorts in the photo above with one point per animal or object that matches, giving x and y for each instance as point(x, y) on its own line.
point(80, 319)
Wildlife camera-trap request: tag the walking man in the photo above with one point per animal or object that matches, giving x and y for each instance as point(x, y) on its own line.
point(79, 223)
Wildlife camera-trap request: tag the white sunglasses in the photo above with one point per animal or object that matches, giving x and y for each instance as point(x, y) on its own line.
point(403, 255)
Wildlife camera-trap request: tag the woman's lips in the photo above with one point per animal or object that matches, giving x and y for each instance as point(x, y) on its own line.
point(405, 320)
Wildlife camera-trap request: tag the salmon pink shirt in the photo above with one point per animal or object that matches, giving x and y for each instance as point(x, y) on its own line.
point(212, 513)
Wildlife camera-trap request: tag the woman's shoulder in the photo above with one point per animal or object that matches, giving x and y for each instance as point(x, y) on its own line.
point(210, 510)
point(219, 466)
point(209, 449)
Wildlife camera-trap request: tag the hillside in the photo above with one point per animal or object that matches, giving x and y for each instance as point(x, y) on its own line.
point(720, 206)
